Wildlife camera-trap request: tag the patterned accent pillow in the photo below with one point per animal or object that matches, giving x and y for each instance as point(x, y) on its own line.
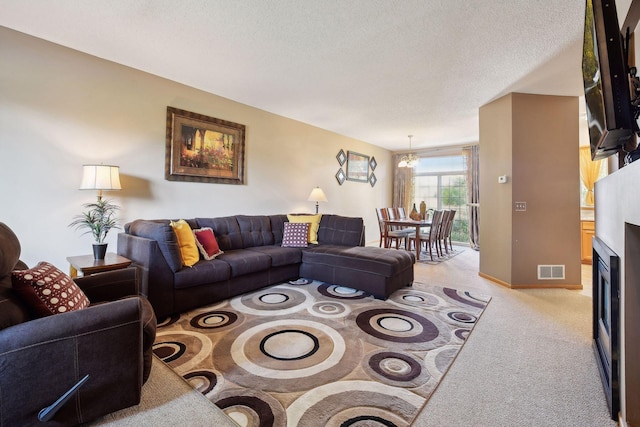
point(207, 243)
point(295, 235)
point(47, 290)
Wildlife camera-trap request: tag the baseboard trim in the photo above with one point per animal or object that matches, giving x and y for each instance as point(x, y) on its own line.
point(494, 280)
point(532, 286)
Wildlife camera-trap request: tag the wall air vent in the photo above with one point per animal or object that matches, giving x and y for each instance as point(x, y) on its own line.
point(550, 272)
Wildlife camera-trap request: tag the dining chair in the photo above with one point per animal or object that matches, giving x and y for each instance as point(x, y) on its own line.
point(383, 215)
point(399, 213)
point(449, 228)
point(429, 238)
point(440, 238)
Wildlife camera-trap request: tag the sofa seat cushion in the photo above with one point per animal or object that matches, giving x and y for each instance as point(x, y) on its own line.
point(203, 272)
point(380, 261)
point(244, 261)
point(280, 255)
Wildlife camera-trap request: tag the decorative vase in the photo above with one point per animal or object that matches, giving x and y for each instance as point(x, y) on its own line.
point(423, 210)
point(99, 250)
point(414, 215)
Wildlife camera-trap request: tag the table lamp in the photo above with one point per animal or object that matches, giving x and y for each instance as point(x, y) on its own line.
point(317, 195)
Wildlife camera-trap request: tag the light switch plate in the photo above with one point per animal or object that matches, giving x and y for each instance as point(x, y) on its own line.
point(520, 206)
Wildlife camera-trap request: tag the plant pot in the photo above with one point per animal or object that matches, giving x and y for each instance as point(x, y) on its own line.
point(99, 250)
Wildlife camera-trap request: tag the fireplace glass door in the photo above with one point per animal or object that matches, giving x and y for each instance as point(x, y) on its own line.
point(606, 321)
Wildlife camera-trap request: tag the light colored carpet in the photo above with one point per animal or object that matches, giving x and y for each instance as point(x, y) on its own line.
point(167, 401)
point(528, 362)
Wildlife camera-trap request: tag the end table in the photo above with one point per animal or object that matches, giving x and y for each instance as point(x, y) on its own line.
point(88, 265)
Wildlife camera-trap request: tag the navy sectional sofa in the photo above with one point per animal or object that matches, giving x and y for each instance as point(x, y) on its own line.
point(254, 258)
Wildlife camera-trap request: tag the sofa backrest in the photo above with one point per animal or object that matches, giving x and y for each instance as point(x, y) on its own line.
point(244, 231)
point(226, 230)
point(160, 231)
point(277, 227)
point(341, 230)
point(255, 231)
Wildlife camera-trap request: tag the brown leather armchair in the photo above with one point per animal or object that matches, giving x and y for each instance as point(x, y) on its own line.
point(41, 359)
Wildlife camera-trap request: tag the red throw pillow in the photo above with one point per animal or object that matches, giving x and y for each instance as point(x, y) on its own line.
point(47, 290)
point(207, 243)
point(295, 234)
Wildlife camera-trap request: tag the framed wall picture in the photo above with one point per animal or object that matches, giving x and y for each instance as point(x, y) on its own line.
point(200, 148)
point(357, 167)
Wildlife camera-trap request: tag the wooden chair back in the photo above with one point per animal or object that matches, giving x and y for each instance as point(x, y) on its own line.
point(449, 228)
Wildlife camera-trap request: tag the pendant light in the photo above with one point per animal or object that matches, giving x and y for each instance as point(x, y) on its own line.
point(409, 160)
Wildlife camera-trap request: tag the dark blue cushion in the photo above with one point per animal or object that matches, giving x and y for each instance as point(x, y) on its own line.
point(341, 230)
point(226, 230)
point(203, 272)
point(255, 230)
point(244, 261)
point(280, 256)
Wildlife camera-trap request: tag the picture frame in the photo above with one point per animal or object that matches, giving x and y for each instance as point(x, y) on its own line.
point(200, 148)
point(373, 164)
point(357, 167)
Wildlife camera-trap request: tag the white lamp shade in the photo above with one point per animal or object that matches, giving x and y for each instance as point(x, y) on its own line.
point(317, 195)
point(100, 177)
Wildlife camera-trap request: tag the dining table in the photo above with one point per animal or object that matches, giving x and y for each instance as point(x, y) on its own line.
point(406, 223)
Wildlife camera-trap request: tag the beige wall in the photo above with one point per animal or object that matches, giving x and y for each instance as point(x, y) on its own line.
point(495, 199)
point(534, 140)
point(60, 108)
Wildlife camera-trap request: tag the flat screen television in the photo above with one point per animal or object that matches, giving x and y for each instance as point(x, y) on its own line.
point(606, 81)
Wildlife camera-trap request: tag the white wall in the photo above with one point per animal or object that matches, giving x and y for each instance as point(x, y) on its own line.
point(60, 108)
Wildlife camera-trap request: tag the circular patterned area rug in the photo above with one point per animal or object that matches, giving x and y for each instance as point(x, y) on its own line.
point(308, 353)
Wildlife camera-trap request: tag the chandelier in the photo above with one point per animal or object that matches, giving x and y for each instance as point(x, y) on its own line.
point(409, 160)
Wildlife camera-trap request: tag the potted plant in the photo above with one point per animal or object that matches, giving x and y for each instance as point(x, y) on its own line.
point(97, 220)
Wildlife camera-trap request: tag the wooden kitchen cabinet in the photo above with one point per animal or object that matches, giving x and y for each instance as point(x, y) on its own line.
point(587, 231)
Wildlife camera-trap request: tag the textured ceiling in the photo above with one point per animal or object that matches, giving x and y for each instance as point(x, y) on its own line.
point(374, 70)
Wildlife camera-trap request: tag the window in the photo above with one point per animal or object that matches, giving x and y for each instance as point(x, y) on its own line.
point(441, 182)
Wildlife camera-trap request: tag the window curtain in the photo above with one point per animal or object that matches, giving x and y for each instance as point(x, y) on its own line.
point(589, 173)
point(472, 157)
point(402, 185)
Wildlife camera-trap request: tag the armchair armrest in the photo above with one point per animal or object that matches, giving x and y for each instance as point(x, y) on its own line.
point(41, 359)
point(110, 285)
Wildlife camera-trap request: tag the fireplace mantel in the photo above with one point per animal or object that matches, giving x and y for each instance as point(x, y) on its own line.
point(617, 223)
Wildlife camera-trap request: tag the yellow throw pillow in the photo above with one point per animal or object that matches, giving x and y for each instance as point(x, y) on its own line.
point(314, 220)
point(186, 242)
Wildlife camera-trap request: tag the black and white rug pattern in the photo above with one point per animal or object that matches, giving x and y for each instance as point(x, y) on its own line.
point(309, 353)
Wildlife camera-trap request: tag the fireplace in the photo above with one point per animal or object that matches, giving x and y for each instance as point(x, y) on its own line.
point(606, 321)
